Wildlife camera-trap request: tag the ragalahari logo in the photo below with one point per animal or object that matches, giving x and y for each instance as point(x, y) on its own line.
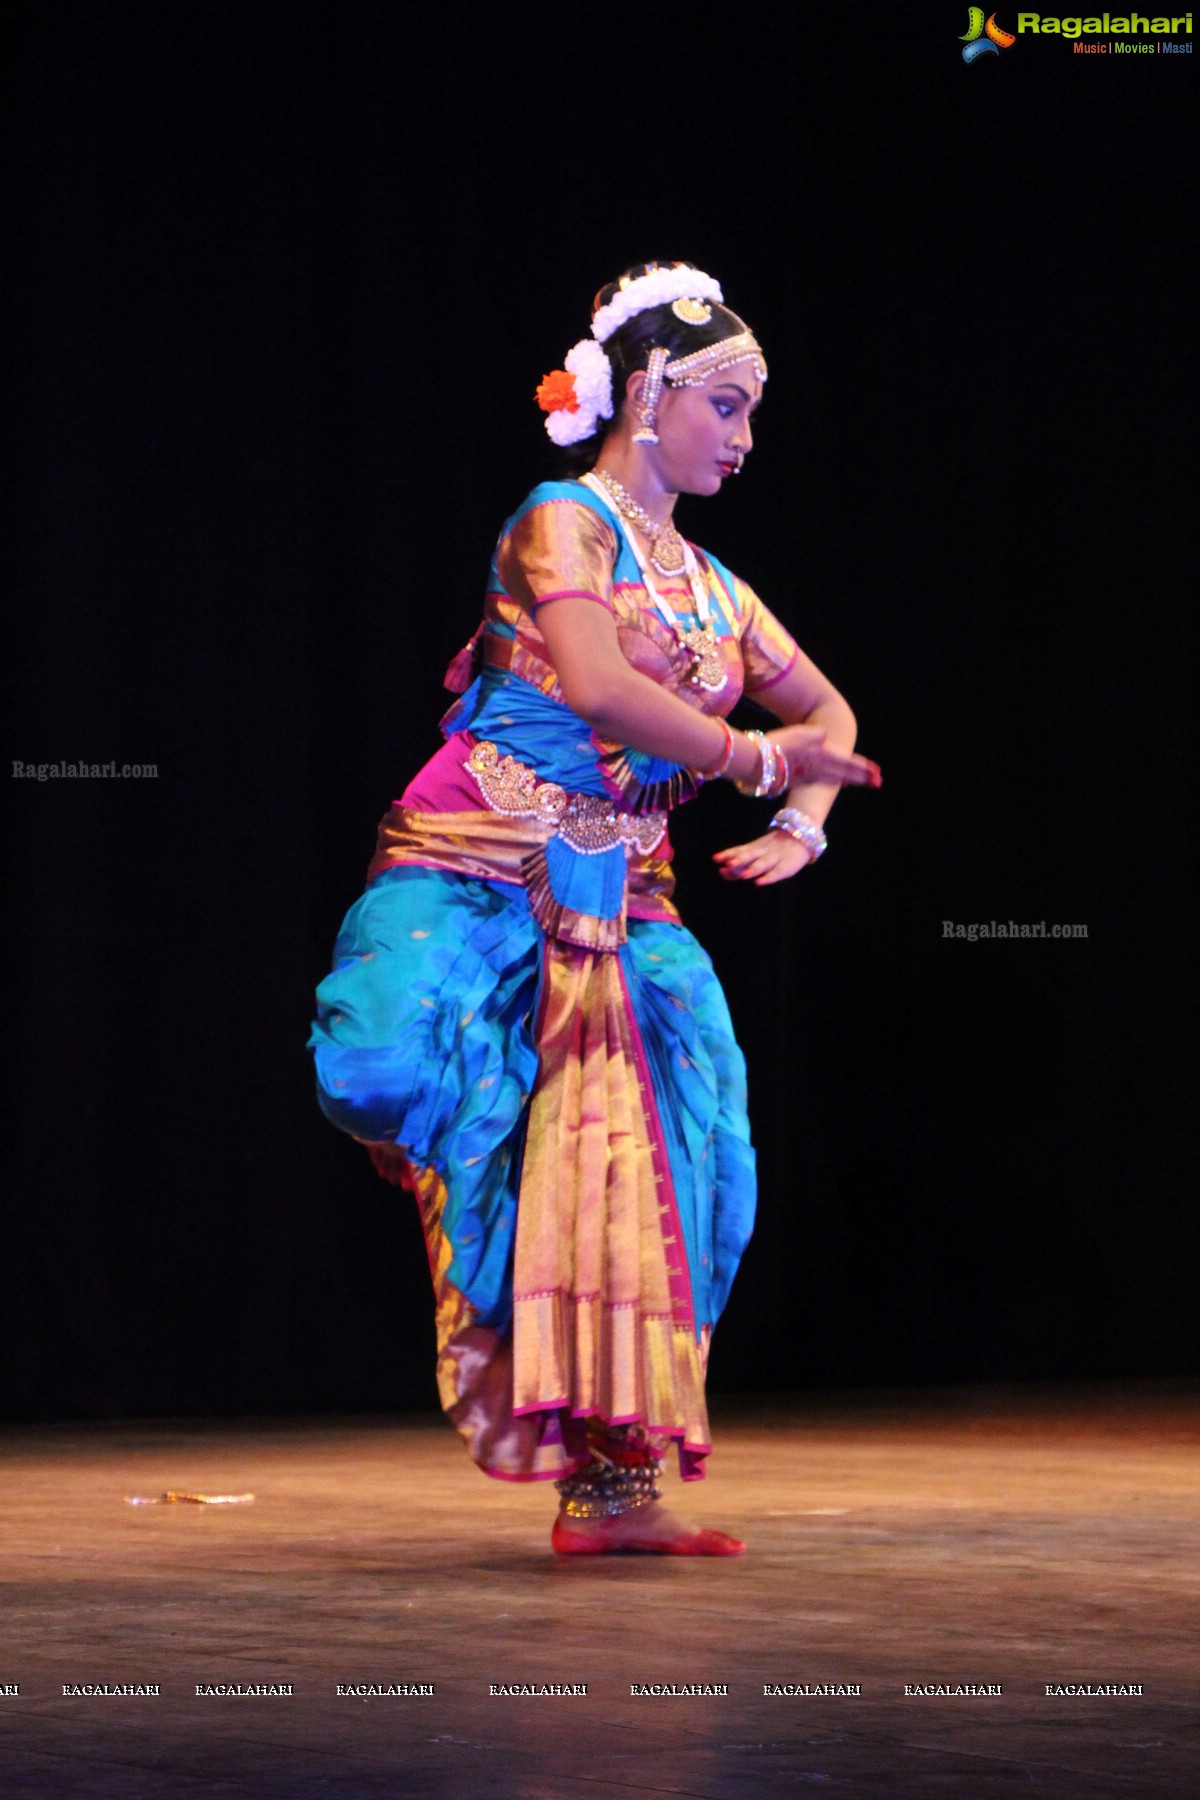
point(981, 39)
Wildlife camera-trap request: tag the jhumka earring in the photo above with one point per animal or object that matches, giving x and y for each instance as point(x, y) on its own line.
point(651, 394)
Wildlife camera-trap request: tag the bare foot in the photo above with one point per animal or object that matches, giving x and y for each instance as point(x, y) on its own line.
point(652, 1529)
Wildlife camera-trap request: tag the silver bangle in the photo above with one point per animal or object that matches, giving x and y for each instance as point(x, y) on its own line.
point(806, 831)
point(767, 766)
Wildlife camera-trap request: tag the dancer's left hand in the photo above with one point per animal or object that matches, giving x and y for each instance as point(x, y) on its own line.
point(772, 857)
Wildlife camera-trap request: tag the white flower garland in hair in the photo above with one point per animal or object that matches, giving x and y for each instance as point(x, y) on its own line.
point(592, 371)
point(655, 289)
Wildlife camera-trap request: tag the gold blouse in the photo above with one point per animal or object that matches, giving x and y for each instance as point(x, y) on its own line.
point(563, 549)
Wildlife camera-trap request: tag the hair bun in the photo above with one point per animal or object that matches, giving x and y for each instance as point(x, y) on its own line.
point(611, 289)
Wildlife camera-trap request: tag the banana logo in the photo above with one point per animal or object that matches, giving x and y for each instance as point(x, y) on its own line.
point(982, 39)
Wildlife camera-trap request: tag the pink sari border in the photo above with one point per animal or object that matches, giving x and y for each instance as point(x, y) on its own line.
point(544, 1406)
point(691, 1456)
point(540, 1475)
point(571, 594)
point(760, 687)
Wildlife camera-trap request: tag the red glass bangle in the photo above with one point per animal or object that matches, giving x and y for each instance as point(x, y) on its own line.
point(716, 773)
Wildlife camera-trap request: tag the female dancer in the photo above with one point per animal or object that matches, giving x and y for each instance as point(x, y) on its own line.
point(517, 1026)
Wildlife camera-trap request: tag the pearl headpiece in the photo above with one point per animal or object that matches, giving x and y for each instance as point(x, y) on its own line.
point(655, 289)
point(576, 397)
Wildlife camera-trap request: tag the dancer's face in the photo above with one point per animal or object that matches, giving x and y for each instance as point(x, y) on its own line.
point(704, 432)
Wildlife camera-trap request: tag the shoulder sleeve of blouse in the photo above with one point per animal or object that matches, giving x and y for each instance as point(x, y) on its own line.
point(558, 550)
point(768, 648)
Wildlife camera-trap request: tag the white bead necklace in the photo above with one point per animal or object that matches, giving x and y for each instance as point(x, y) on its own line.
point(707, 670)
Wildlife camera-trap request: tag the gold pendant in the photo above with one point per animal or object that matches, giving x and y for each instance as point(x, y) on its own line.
point(666, 553)
point(707, 671)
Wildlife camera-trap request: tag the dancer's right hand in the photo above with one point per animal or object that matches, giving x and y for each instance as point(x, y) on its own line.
point(811, 759)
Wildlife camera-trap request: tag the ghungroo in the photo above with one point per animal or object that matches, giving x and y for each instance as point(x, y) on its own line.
point(623, 1474)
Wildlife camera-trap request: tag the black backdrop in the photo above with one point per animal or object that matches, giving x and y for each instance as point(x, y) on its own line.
point(285, 278)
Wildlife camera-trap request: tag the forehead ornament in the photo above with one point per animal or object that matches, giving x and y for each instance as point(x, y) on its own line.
point(695, 369)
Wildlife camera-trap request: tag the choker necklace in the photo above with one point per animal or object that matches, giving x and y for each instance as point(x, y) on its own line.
point(706, 669)
point(666, 545)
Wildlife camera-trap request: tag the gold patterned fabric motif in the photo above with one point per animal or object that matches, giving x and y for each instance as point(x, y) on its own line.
point(601, 1296)
point(494, 847)
point(476, 1373)
point(768, 648)
point(561, 547)
point(475, 1362)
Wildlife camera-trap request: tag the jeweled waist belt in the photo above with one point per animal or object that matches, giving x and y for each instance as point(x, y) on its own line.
point(524, 825)
point(589, 823)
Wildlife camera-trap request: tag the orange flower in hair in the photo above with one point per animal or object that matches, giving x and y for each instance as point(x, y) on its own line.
point(556, 393)
point(576, 398)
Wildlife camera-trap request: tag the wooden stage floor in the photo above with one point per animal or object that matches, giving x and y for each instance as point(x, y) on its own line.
point(1019, 1538)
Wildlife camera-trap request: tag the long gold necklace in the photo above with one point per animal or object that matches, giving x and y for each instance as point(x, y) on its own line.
point(706, 670)
point(666, 545)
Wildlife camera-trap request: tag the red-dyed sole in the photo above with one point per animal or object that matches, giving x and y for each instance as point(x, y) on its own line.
point(703, 1542)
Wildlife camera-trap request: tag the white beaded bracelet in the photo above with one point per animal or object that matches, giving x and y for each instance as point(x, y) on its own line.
point(806, 831)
